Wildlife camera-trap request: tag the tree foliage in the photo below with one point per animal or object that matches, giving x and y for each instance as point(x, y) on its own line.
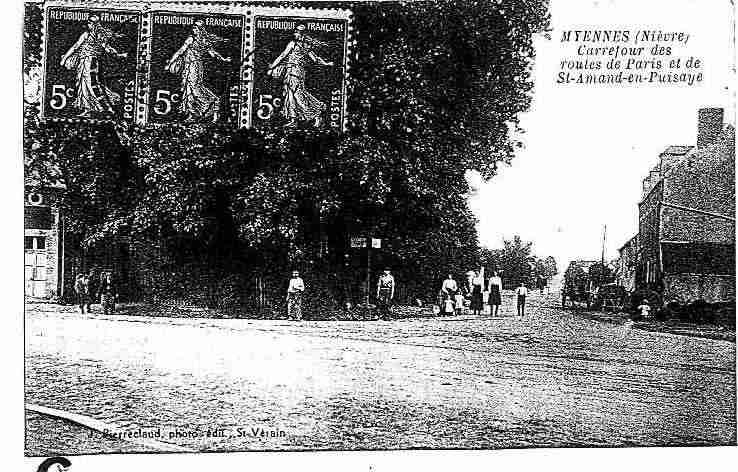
point(434, 89)
point(517, 262)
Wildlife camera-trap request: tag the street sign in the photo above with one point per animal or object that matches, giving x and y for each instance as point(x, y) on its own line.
point(376, 243)
point(358, 242)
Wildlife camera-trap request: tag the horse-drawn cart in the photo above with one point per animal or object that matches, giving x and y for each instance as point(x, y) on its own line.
point(577, 285)
point(610, 297)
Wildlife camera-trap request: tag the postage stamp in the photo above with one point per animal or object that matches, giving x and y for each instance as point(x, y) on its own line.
point(90, 59)
point(195, 67)
point(299, 68)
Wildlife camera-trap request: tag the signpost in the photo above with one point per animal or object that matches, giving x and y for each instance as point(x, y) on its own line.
point(368, 243)
point(358, 242)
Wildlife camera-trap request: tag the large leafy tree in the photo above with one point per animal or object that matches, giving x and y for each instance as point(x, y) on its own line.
point(516, 261)
point(434, 89)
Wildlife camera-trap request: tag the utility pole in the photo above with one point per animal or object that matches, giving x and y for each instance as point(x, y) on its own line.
point(604, 240)
point(368, 268)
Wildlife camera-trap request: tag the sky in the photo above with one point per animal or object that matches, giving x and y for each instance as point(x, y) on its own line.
point(588, 149)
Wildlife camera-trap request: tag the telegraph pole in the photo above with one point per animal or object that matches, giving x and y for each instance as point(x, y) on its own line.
point(604, 240)
point(368, 268)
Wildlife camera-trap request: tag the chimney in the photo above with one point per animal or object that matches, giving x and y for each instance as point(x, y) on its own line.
point(646, 187)
point(655, 176)
point(666, 162)
point(709, 126)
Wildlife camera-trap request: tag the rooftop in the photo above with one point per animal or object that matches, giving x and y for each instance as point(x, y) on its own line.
point(677, 150)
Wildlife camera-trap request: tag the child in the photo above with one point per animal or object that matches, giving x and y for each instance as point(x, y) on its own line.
point(448, 306)
point(459, 303)
point(645, 309)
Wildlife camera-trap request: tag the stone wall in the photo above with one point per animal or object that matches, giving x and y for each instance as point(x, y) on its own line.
point(685, 288)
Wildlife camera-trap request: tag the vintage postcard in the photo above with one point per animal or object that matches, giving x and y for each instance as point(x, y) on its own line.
point(440, 232)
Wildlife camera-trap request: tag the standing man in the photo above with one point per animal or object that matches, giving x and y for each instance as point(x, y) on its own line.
point(81, 289)
point(294, 296)
point(385, 292)
point(108, 293)
point(521, 292)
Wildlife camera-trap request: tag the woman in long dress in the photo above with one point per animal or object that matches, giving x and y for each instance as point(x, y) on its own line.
point(92, 95)
point(476, 293)
point(289, 67)
point(198, 101)
point(495, 292)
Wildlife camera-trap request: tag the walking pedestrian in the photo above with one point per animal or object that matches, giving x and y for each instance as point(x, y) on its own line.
point(385, 292)
point(495, 293)
point(476, 292)
point(108, 293)
point(295, 290)
point(521, 292)
point(541, 284)
point(81, 290)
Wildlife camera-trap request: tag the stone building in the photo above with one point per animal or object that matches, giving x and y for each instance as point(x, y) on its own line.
point(43, 242)
point(686, 232)
point(627, 264)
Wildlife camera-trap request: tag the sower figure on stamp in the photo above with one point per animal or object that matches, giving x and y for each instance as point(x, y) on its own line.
point(198, 101)
point(289, 67)
point(84, 58)
point(385, 292)
point(295, 290)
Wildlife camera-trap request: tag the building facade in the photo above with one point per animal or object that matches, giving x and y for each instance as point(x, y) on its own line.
point(627, 268)
point(685, 247)
point(43, 242)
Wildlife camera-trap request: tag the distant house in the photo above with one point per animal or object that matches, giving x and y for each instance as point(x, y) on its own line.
point(685, 247)
point(43, 241)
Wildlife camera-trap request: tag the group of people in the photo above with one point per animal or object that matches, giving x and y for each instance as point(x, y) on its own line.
point(91, 287)
point(385, 294)
point(477, 292)
point(453, 298)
